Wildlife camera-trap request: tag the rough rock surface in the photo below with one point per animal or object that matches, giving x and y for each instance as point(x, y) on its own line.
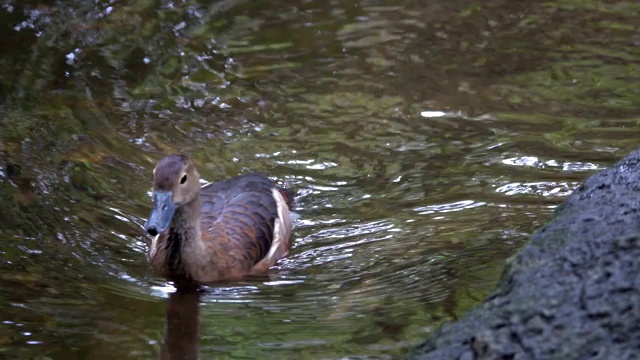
point(573, 292)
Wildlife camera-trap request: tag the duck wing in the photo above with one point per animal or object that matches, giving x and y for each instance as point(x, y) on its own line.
point(245, 218)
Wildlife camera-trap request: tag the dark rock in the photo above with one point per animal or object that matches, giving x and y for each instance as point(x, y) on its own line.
point(573, 292)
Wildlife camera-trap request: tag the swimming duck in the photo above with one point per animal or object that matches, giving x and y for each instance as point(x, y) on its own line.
point(225, 230)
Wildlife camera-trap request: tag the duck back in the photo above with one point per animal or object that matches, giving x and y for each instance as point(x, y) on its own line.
point(245, 217)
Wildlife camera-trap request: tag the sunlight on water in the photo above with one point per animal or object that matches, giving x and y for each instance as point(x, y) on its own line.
point(566, 166)
point(457, 206)
point(437, 114)
point(538, 188)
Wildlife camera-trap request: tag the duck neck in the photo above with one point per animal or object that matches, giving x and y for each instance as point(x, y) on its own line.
point(185, 223)
point(184, 239)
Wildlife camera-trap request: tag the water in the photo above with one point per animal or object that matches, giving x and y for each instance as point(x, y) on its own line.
point(425, 140)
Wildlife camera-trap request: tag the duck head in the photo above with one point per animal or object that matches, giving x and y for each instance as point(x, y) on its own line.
point(176, 182)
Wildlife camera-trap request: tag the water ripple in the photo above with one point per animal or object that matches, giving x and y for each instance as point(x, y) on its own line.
point(424, 143)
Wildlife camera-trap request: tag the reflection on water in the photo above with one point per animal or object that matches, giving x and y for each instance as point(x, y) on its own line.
point(425, 142)
point(182, 329)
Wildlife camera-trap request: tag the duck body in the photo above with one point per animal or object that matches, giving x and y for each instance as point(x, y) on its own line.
point(224, 230)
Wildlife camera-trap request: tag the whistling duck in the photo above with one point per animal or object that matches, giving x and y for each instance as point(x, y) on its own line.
point(225, 230)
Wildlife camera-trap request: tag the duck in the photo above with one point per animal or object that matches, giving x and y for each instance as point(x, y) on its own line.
point(231, 229)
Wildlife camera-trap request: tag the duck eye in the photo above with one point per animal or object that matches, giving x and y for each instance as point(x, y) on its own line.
point(184, 179)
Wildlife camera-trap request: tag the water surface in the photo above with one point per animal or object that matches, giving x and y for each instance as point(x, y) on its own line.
point(425, 140)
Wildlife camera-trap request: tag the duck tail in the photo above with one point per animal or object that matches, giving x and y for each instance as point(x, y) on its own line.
point(287, 194)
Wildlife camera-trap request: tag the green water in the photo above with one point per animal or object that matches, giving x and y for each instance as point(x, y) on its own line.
point(425, 140)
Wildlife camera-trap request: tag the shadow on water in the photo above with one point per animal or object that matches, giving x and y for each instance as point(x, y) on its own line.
point(426, 141)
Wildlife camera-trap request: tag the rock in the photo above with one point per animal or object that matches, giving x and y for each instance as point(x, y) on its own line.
point(573, 292)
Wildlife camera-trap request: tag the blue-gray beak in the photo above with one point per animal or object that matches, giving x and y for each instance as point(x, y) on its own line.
point(162, 212)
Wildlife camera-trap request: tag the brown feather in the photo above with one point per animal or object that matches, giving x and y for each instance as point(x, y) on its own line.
point(225, 230)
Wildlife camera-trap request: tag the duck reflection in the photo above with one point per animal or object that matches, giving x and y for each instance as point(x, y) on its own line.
point(183, 325)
